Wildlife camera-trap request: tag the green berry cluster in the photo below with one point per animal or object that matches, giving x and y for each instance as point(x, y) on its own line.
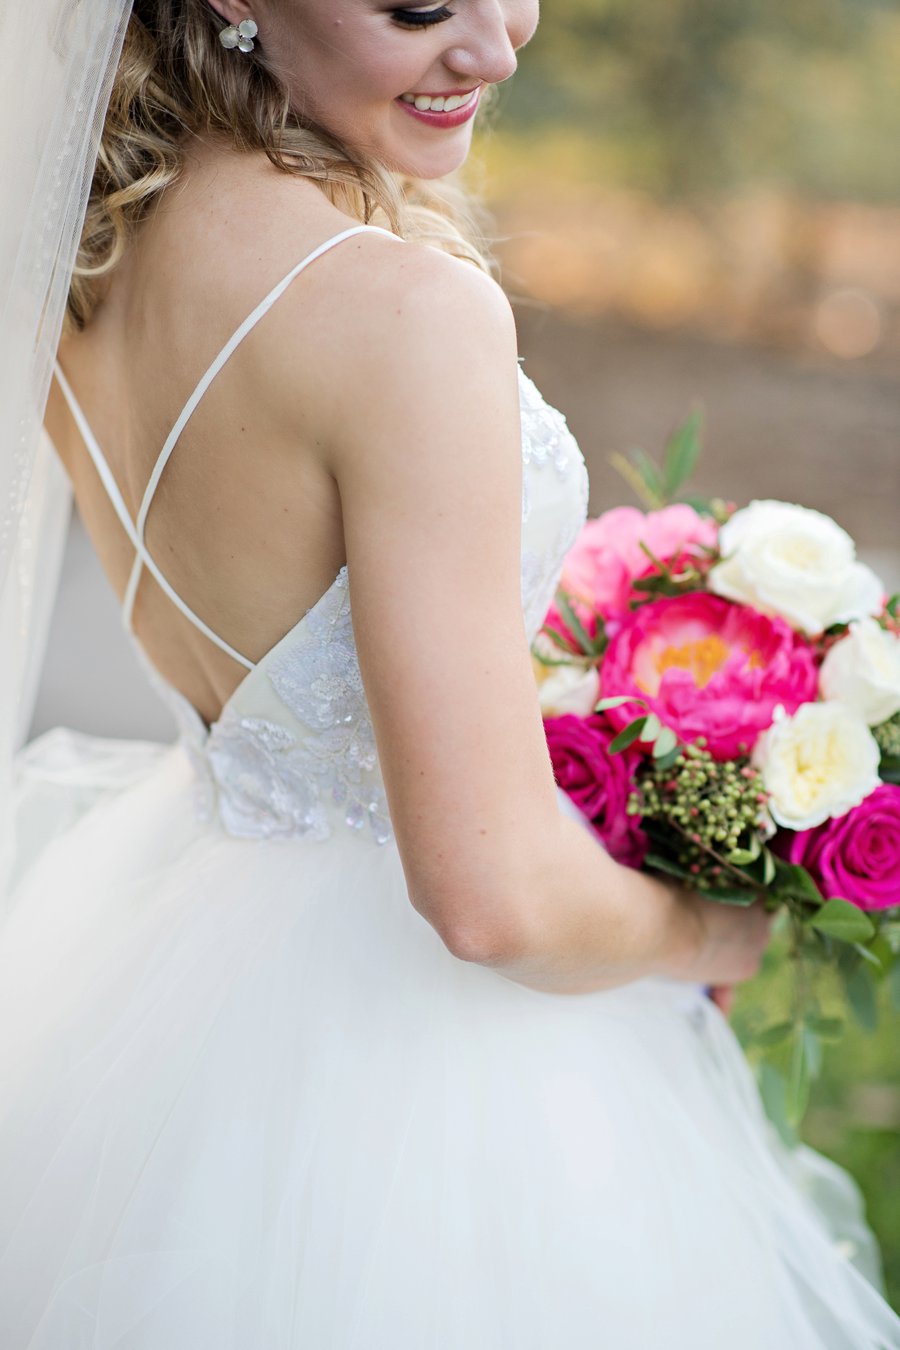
point(888, 737)
point(706, 811)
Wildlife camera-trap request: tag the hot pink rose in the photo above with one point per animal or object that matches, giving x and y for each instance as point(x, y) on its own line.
point(857, 856)
point(708, 668)
point(607, 558)
point(598, 783)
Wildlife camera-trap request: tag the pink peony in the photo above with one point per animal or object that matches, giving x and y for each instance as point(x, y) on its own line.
point(600, 570)
point(708, 668)
point(599, 783)
point(856, 857)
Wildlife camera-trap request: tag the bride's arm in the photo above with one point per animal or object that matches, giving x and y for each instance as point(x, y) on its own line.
point(425, 446)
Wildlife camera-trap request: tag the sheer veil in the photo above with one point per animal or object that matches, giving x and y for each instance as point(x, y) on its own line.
point(57, 62)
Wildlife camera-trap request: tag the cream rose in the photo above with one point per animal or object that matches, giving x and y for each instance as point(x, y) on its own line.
point(570, 689)
point(789, 561)
point(818, 764)
point(864, 671)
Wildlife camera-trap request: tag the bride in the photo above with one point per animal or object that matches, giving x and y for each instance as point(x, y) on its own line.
point(329, 1027)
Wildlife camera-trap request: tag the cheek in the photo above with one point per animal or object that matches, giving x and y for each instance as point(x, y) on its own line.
point(362, 67)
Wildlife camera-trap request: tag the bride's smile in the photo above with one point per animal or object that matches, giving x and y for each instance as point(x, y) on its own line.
point(379, 77)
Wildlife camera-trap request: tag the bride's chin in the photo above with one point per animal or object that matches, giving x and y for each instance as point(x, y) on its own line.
point(414, 162)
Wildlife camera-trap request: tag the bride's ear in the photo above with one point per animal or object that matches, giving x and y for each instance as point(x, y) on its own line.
point(232, 11)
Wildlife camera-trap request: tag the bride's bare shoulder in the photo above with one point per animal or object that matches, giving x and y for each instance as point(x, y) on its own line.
point(238, 221)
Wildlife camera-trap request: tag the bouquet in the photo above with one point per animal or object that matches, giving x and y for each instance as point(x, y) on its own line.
point(721, 697)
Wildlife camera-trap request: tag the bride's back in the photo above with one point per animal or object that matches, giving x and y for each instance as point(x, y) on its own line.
point(246, 521)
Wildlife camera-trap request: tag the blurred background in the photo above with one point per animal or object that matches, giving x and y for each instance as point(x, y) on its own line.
point(696, 201)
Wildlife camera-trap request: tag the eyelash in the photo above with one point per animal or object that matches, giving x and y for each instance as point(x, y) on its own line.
point(408, 18)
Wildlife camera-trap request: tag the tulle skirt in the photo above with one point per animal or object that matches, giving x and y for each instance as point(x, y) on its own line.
point(251, 1102)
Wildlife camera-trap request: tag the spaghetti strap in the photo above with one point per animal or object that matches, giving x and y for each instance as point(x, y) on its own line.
point(135, 528)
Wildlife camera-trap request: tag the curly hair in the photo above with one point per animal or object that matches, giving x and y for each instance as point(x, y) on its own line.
point(172, 83)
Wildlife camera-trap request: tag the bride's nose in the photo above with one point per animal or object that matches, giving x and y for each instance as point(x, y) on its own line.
point(488, 51)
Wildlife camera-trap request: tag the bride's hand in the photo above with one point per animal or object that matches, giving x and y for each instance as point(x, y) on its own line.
point(731, 944)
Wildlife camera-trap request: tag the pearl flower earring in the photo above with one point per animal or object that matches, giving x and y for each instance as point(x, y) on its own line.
point(241, 37)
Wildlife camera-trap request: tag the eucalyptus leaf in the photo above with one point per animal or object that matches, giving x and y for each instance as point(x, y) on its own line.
point(666, 745)
point(625, 738)
point(607, 704)
point(652, 728)
point(839, 919)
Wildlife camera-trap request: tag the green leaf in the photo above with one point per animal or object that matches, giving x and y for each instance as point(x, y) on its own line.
point(682, 453)
point(839, 919)
point(743, 857)
point(650, 474)
point(796, 882)
point(670, 760)
point(625, 738)
point(828, 1028)
point(731, 895)
point(652, 728)
point(555, 636)
point(606, 704)
point(861, 995)
point(773, 1090)
point(666, 744)
point(893, 607)
point(642, 476)
point(572, 620)
point(773, 1035)
point(769, 868)
point(871, 958)
point(799, 1076)
point(660, 864)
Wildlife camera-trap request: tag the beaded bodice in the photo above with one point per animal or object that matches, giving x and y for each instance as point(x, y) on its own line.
point(293, 752)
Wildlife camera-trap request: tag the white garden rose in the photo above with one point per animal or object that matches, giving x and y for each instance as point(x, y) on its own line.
point(798, 564)
point(819, 763)
point(864, 671)
point(570, 689)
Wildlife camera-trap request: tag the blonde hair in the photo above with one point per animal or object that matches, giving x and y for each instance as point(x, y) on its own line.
point(175, 80)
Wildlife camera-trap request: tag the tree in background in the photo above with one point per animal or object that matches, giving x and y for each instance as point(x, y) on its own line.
point(700, 95)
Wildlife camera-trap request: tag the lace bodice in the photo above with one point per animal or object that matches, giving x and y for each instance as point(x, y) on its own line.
point(293, 752)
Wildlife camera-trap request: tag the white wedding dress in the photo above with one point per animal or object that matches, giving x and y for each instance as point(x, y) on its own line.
point(249, 1100)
